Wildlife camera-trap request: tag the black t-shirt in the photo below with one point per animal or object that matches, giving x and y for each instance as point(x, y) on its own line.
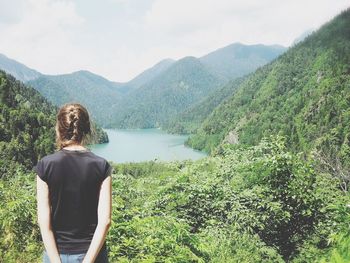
point(74, 179)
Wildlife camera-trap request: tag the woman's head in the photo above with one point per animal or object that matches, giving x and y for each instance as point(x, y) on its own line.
point(72, 125)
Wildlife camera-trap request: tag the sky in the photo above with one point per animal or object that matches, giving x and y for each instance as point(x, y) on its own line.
point(119, 39)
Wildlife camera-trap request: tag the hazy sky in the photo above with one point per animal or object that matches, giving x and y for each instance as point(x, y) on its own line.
point(120, 38)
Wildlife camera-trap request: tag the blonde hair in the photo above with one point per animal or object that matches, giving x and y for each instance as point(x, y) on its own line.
point(72, 125)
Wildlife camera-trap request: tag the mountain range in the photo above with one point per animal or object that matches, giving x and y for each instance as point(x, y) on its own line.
point(187, 81)
point(155, 96)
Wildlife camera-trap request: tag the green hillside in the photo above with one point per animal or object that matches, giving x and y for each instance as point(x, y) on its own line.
point(96, 93)
point(190, 120)
point(182, 84)
point(304, 95)
point(27, 123)
point(231, 63)
point(173, 88)
point(259, 204)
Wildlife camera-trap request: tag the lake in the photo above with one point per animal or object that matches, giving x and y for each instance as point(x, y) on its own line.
point(136, 145)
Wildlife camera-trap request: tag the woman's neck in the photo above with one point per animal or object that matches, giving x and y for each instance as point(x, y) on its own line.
point(75, 147)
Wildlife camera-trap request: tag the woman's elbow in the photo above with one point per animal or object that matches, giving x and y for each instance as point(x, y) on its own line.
point(106, 223)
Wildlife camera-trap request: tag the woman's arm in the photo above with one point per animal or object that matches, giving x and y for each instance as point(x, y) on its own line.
point(44, 220)
point(104, 220)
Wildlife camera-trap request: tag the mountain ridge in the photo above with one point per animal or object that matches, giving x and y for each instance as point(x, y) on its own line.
point(237, 59)
point(103, 97)
point(17, 69)
point(142, 108)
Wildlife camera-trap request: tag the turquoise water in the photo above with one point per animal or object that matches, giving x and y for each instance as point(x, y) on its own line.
point(144, 145)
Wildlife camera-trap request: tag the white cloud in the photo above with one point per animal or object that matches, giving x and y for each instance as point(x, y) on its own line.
point(11, 13)
point(43, 37)
point(119, 1)
point(207, 24)
point(120, 38)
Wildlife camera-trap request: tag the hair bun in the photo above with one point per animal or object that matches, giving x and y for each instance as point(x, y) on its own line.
point(73, 123)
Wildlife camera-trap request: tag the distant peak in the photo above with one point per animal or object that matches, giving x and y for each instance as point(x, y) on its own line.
point(239, 44)
point(188, 58)
point(303, 35)
point(83, 71)
point(166, 60)
point(2, 55)
point(87, 73)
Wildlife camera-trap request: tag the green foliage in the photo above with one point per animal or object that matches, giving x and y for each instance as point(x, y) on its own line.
point(260, 203)
point(26, 133)
point(263, 189)
point(228, 245)
point(153, 239)
point(340, 253)
point(19, 231)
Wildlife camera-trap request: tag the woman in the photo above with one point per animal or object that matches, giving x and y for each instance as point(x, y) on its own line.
point(74, 193)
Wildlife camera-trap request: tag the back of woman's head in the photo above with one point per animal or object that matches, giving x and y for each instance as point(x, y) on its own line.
point(72, 125)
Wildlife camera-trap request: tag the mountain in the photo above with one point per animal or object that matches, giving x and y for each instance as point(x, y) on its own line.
point(151, 73)
point(100, 96)
point(303, 95)
point(304, 35)
point(177, 86)
point(150, 99)
point(230, 63)
point(237, 59)
point(184, 82)
point(188, 121)
point(118, 104)
point(18, 70)
point(96, 93)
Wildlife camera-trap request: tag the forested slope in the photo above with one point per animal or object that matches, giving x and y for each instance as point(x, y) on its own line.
point(190, 120)
point(304, 95)
point(27, 123)
point(96, 93)
point(179, 86)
